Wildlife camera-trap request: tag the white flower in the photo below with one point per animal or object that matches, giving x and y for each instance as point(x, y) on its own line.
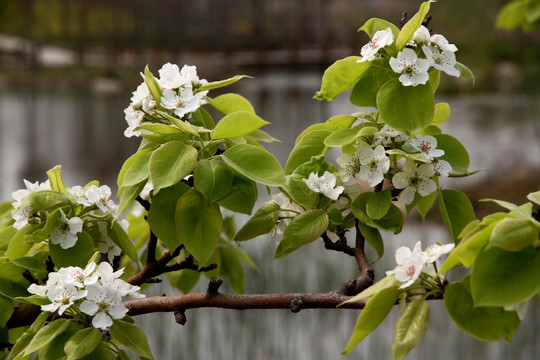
point(435, 251)
point(285, 204)
point(134, 119)
point(442, 60)
point(77, 276)
point(21, 217)
point(409, 265)
point(387, 135)
point(325, 184)
point(65, 233)
point(373, 163)
point(442, 168)
point(413, 180)
point(62, 297)
point(106, 245)
point(101, 197)
point(169, 77)
point(422, 36)
point(107, 274)
point(104, 304)
point(79, 192)
point(414, 71)
point(427, 145)
point(142, 98)
point(182, 102)
point(350, 164)
point(442, 43)
point(380, 39)
point(189, 74)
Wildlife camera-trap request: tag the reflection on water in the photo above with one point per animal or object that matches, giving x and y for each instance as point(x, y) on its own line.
point(81, 128)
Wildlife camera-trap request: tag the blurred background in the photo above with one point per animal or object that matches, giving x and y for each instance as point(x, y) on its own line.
point(67, 70)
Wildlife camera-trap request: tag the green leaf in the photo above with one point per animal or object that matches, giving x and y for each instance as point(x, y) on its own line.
point(103, 352)
point(6, 235)
point(434, 79)
point(302, 194)
point(55, 179)
point(131, 337)
point(303, 229)
point(12, 283)
point(365, 90)
point(82, 343)
point(376, 310)
point(514, 234)
point(256, 164)
point(219, 84)
point(262, 222)
point(512, 15)
point(179, 126)
point(425, 203)
point(6, 309)
point(153, 86)
point(17, 247)
point(442, 113)
point(385, 283)
point(139, 161)
point(484, 323)
point(311, 144)
point(30, 263)
point(374, 24)
point(77, 255)
point(410, 328)
point(43, 233)
point(340, 77)
point(45, 200)
point(46, 334)
point(171, 163)
point(242, 197)
point(373, 237)
point(202, 118)
point(534, 197)
point(504, 278)
point(161, 216)
point(17, 352)
point(465, 72)
point(237, 124)
point(213, 179)
point(379, 204)
point(392, 221)
point(408, 30)
point(454, 152)
point(198, 224)
point(129, 194)
point(456, 211)
point(231, 266)
point(348, 136)
point(161, 128)
point(406, 108)
point(120, 238)
point(517, 210)
point(55, 349)
point(229, 103)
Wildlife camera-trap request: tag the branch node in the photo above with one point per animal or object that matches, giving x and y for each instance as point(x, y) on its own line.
point(296, 305)
point(213, 286)
point(180, 317)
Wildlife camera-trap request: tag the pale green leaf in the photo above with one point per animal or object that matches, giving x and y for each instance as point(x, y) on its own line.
point(407, 31)
point(262, 222)
point(171, 163)
point(410, 328)
point(229, 103)
point(340, 77)
point(131, 337)
point(82, 343)
point(303, 229)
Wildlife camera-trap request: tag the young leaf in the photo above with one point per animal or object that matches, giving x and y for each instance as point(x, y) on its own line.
point(131, 337)
point(213, 179)
point(229, 103)
point(198, 225)
point(237, 124)
point(408, 30)
point(171, 163)
point(6, 309)
point(376, 310)
point(256, 164)
point(46, 334)
point(120, 238)
point(442, 113)
point(179, 126)
point(410, 328)
point(18, 247)
point(302, 194)
point(374, 24)
point(153, 86)
point(365, 90)
point(262, 222)
point(465, 71)
point(456, 211)
point(55, 179)
point(311, 144)
point(82, 343)
point(161, 216)
point(219, 84)
point(514, 282)
point(340, 77)
point(406, 108)
point(373, 237)
point(18, 350)
point(129, 194)
point(379, 204)
point(139, 169)
point(303, 229)
point(514, 234)
point(454, 152)
point(486, 323)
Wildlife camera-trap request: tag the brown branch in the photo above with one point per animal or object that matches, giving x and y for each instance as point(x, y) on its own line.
point(294, 302)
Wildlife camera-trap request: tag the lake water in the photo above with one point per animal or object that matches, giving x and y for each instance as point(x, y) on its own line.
point(80, 126)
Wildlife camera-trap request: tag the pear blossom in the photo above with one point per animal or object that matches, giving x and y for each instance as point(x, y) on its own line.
point(21, 214)
point(373, 163)
point(106, 245)
point(169, 77)
point(350, 164)
point(442, 60)
point(387, 136)
point(62, 296)
point(134, 119)
point(434, 252)
point(285, 204)
point(141, 102)
point(101, 197)
point(413, 179)
point(21, 217)
point(409, 265)
point(182, 102)
point(422, 36)
point(103, 303)
point(380, 39)
point(442, 168)
point(443, 44)
point(413, 70)
point(325, 184)
point(427, 145)
point(78, 276)
point(65, 233)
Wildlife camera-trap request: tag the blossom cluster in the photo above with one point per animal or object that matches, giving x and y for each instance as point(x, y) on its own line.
point(95, 202)
point(410, 264)
point(96, 290)
point(437, 53)
point(179, 96)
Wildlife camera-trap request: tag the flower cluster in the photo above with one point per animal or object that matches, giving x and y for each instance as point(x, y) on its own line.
point(325, 184)
point(93, 195)
point(437, 53)
point(179, 96)
point(96, 290)
point(410, 264)
point(366, 163)
point(289, 210)
point(21, 214)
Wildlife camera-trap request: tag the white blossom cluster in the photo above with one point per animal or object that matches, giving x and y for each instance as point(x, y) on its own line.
point(437, 53)
point(65, 233)
point(96, 291)
point(179, 95)
point(410, 264)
